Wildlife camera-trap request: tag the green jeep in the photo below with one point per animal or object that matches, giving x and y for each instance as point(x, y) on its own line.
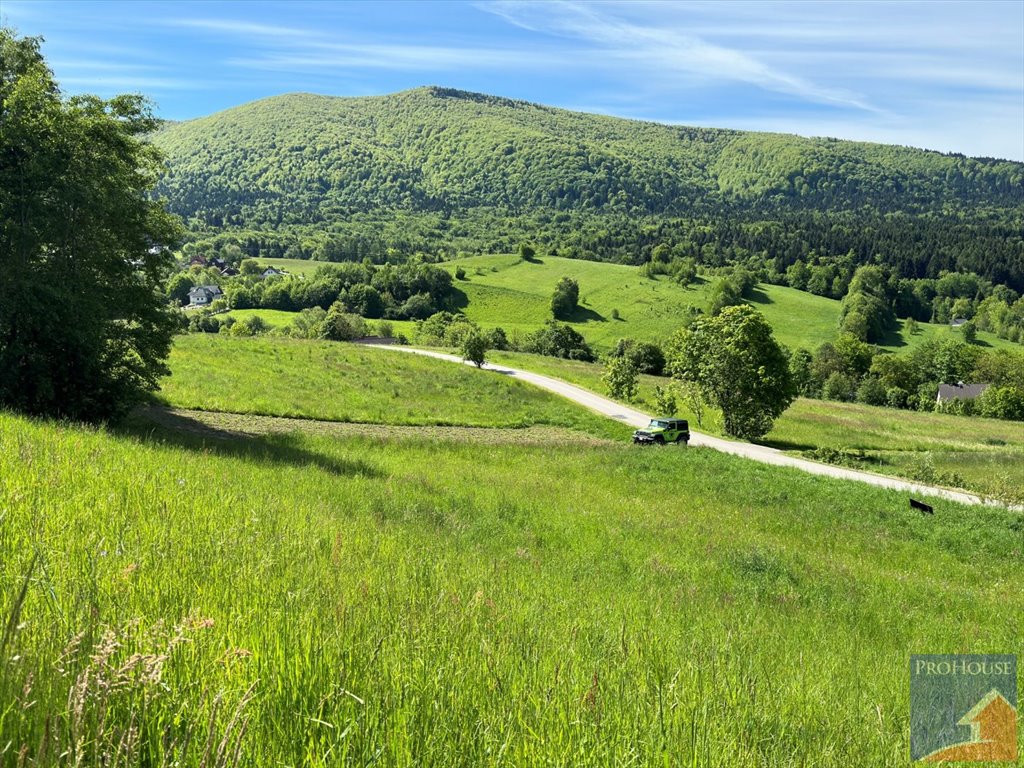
point(661, 431)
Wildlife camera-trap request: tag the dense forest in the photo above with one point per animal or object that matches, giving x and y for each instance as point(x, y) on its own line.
point(439, 171)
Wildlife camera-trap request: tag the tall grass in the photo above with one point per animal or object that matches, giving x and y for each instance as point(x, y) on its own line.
point(346, 382)
point(981, 455)
point(300, 600)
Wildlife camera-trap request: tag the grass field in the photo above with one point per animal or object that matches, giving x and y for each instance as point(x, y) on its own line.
point(331, 599)
point(276, 318)
point(343, 382)
point(292, 266)
point(516, 295)
point(502, 290)
point(981, 455)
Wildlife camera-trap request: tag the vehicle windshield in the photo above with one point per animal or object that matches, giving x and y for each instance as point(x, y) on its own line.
point(658, 423)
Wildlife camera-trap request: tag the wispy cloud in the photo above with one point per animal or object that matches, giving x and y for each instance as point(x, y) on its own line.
point(301, 49)
point(665, 52)
point(244, 28)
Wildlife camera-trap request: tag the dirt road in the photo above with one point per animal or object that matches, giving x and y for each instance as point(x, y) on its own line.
point(761, 453)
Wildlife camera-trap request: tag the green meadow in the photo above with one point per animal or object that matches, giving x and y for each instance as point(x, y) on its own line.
point(505, 291)
point(981, 455)
point(338, 382)
point(333, 381)
point(189, 591)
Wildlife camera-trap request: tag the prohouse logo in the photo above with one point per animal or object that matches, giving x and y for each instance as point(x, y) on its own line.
point(963, 708)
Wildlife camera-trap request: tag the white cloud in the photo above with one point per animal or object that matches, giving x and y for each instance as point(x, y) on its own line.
point(664, 52)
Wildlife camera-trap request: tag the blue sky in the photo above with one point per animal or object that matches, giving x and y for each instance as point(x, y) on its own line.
point(942, 75)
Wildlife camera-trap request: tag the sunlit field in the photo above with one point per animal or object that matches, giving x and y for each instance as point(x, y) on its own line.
point(201, 592)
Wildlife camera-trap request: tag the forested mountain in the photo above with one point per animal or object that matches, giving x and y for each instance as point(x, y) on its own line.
point(435, 170)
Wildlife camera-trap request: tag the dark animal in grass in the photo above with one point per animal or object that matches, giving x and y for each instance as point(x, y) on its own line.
point(925, 508)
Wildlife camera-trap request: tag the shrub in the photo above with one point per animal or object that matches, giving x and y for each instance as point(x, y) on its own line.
point(621, 377)
point(839, 386)
point(340, 325)
point(871, 392)
point(665, 400)
point(896, 397)
point(558, 340)
point(566, 298)
point(1002, 403)
point(474, 348)
point(497, 339)
point(645, 356)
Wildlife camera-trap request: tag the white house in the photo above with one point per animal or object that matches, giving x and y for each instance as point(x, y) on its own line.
point(204, 295)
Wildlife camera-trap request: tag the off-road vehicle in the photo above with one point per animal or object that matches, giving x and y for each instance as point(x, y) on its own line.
point(661, 431)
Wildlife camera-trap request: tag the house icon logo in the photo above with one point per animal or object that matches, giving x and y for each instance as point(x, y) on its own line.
point(963, 708)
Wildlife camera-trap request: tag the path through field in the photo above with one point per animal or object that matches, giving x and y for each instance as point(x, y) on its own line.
point(761, 453)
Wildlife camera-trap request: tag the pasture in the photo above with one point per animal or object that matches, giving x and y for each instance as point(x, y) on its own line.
point(190, 591)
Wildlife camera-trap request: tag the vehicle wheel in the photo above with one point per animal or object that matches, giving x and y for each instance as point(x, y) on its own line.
point(680, 440)
point(659, 439)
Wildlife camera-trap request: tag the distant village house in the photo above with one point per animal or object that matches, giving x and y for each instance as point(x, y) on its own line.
point(204, 295)
point(960, 391)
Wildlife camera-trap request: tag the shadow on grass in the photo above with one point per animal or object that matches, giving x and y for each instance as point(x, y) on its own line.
point(893, 336)
point(784, 445)
point(758, 296)
point(457, 300)
point(160, 425)
point(585, 315)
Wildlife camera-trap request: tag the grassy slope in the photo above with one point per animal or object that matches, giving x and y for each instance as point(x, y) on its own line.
point(342, 382)
point(502, 290)
point(416, 601)
point(987, 454)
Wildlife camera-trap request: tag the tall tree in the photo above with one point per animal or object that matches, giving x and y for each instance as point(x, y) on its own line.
point(84, 249)
point(737, 363)
point(566, 298)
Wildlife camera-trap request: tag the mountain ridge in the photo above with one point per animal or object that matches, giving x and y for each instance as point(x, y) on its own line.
point(306, 160)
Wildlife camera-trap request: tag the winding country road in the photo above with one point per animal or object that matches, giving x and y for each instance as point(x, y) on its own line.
point(764, 454)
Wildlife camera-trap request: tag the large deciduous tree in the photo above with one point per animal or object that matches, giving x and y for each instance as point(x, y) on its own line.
point(566, 298)
point(737, 363)
point(84, 323)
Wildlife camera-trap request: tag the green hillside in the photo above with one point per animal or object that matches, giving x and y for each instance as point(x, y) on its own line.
point(298, 597)
point(516, 295)
point(444, 170)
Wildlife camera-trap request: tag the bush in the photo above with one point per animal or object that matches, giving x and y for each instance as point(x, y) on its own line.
point(497, 339)
point(203, 322)
point(1002, 403)
point(621, 377)
point(419, 306)
point(665, 400)
point(250, 326)
point(871, 392)
point(645, 356)
point(340, 325)
point(839, 386)
point(460, 273)
point(474, 348)
point(556, 339)
point(460, 329)
point(896, 397)
point(566, 298)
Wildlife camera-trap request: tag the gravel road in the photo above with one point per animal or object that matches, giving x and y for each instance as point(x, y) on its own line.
point(764, 454)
